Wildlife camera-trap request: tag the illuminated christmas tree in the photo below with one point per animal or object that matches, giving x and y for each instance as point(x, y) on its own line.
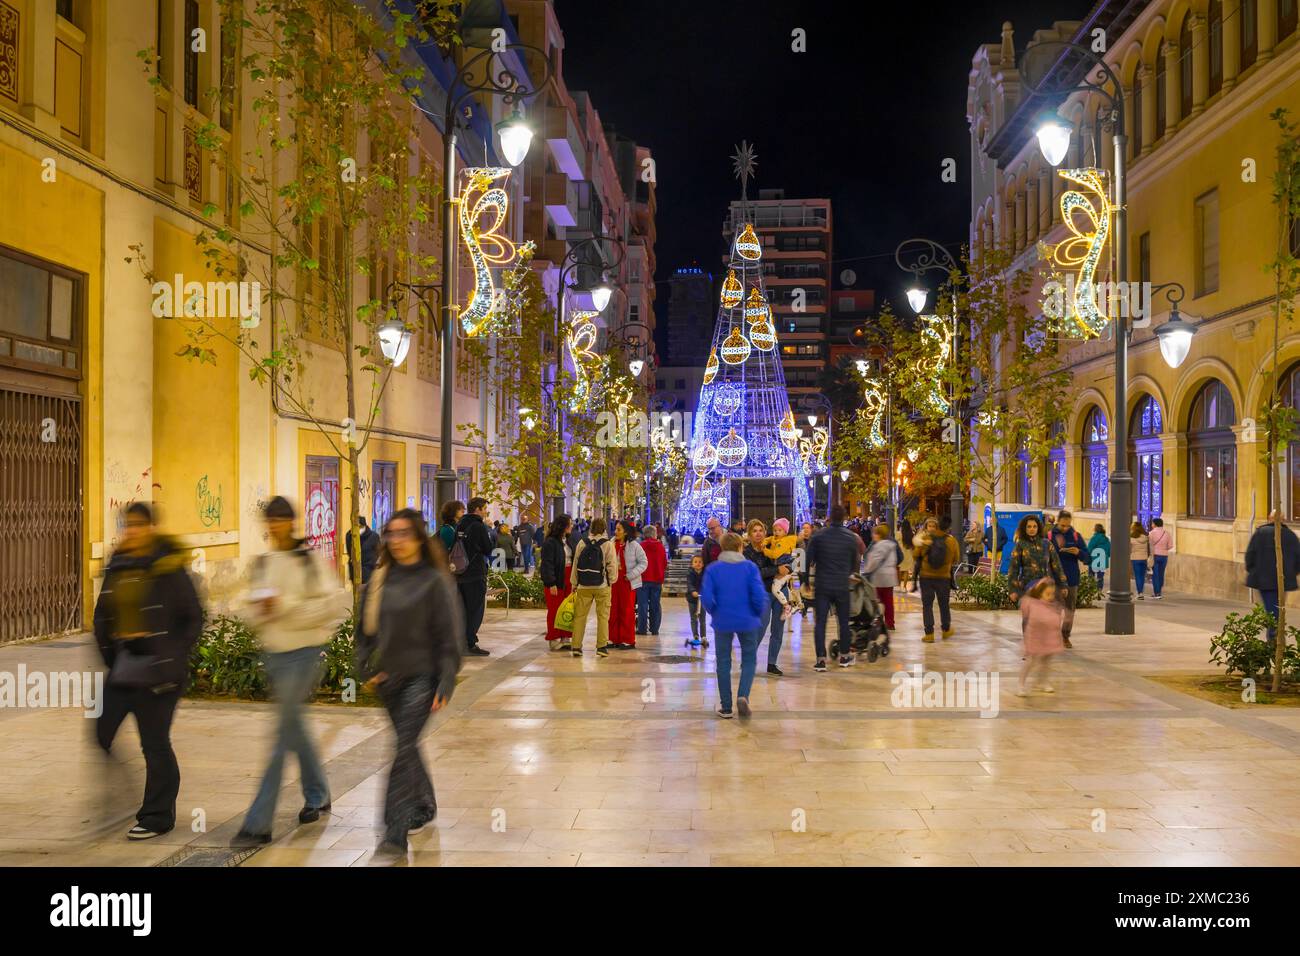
point(745, 459)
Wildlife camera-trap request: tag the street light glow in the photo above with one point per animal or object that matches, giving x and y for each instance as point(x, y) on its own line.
point(635, 366)
point(916, 299)
point(600, 296)
point(394, 341)
point(1175, 338)
point(812, 421)
point(516, 138)
point(1053, 140)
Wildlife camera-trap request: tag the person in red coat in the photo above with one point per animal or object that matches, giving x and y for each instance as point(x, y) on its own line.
point(652, 582)
point(622, 599)
point(556, 570)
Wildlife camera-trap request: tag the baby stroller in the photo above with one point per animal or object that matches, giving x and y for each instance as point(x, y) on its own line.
point(866, 622)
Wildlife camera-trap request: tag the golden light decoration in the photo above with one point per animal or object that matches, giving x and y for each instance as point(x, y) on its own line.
point(727, 400)
point(812, 451)
point(873, 411)
point(711, 367)
point(479, 198)
point(732, 449)
point(763, 336)
point(756, 307)
point(581, 340)
point(789, 433)
point(735, 348)
point(703, 459)
point(732, 290)
point(702, 486)
point(1083, 250)
point(937, 333)
point(747, 244)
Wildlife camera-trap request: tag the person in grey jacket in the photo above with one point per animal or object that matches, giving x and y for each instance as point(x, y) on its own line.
point(881, 568)
point(834, 554)
point(409, 645)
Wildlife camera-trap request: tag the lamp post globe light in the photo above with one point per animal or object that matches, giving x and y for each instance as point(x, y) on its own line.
point(516, 136)
point(1053, 139)
point(1175, 336)
point(919, 256)
point(394, 341)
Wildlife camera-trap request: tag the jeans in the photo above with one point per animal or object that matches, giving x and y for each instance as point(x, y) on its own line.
point(294, 675)
point(527, 551)
point(648, 605)
point(772, 615)
point(473, 594)
point(1139, 575)
point(1269, 600)
point(1158, 573)
point(932, 588)
point(696, 611)
point(748, 663)
point(1101, 579)
point(153, 719)
point(822, 601)
point(409, 799)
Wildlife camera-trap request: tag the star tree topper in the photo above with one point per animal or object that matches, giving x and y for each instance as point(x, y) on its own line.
point(744, 161)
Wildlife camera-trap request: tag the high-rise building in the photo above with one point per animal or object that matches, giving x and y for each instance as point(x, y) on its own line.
point(796, 238)
point(690, 316)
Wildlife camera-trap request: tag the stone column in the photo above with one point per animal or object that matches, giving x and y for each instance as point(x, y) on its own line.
point(1146, 77)
point(1200, 63)
point(1046, 200)
point(1173, 88)
point(1074, 478)
point(1032, 216)
point(1009, 225)
point(1020, 219)
point(1267, 29)
point(1231, 42)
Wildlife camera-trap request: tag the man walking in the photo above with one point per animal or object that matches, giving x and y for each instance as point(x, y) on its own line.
point(524, 534)
point(936, 553)
point(1261, 566)
point(1072, 550)
point(595, 569)
point(834, 553)
point(472, 534)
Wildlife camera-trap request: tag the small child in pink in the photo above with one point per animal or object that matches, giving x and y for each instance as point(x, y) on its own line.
point(1042, 619)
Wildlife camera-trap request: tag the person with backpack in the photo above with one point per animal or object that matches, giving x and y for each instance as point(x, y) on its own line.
point(881, 568)
point(450, 516)
point(147, 621)
point(1099, 551)
point(834, 555)
point(555, 568)
point(935, 555)
point(469, 562)
point(623, 594)
point(1072, 550)
point(294, 605)
point(1032, 557)
point(595, 571)
point(408, 648)
point(1162, 542)
point(735, 597)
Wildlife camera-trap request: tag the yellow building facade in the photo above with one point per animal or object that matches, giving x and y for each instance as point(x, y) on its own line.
point(1200, 82)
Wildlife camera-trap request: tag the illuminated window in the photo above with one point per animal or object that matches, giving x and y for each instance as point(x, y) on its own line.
point(1212, 454)
point(1096, 464)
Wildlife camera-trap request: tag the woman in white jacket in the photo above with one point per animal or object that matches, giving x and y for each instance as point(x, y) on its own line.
point(294, 604)
point(622, 600)
point(881, 568)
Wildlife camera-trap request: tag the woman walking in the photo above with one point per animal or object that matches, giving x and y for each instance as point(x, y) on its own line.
point(1162, 542)
point(1032, 557)
point(1139, 547)
point(734, 597)
point(556, 569)
point(622, 600)
point(147, 620)
point(409, 647)
point(881, 568)
point(450, 516)
point(1099, 550)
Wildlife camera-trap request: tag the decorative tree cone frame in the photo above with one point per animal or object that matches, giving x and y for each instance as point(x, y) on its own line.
point(747, 245)
point(711, 368)
point(732, 290)
point(735, 348)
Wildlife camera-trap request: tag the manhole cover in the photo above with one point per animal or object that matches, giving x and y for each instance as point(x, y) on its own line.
point(674, 659)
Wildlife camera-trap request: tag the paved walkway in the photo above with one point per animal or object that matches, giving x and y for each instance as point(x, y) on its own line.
point(547, 760)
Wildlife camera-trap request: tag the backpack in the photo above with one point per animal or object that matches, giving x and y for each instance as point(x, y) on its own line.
point(937, 554)
point(459, 557)
point(590, 569)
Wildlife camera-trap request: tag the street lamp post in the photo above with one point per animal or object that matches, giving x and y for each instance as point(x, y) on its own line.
point(495, 79)
point(933, 257)
point(1053, 140)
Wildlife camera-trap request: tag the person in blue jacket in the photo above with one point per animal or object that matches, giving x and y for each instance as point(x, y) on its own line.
point(734, 597)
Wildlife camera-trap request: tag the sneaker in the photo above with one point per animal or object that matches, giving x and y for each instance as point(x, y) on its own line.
point(742, 705)
point(947, 634)
point(846, 660)
point(775, 671)
point(566, 646)
point(602, 651)
point(139, 832)
point(928, 638)
point(477, 651)
point(242, 838)
point(1155, 597)
point(1048, 689)
point(312, 814)
point(1022, 693)
point(577, 653)
point(1067, 642)
point(391, 847)
point(820, 666)
point(724, 713)
point(695, 642)
point(1141, 597)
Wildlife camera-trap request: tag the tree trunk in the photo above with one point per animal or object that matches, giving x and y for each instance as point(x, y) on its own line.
point(1279, 648)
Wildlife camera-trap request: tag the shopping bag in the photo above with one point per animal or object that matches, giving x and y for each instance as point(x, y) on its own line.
point(564, 615)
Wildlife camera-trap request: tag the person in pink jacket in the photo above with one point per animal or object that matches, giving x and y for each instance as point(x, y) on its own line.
point(1162, 542)
point(1042, 620)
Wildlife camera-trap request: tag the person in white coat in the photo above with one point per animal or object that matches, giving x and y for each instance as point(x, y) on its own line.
point(881, 568)
point(632, 563)
point(294, 604)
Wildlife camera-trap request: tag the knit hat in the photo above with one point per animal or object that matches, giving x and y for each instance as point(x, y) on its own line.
point(781, 526)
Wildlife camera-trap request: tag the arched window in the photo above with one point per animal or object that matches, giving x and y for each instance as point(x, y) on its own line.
point(1214, 15)
point(1147, 460)
point(1212, 454)
point(1286, 18)
point(1096, 466)
point(1162, 85)
point(1021, 489)
point(1055, 470)
point(1136, 134)
point(1185, 68)
point(1248, 10)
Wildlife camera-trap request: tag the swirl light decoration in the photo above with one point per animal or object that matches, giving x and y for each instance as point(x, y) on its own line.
point(789, 433)
point(581, 340)
point(711, 367)
point(938, 336)
point(703, 459)
point(702, 487)
point(756, 307)
point(873, 411)
point(1083, 249)
point(727, 400)
point(732, 290)
point(486, 245)
point(747, 244)
point(732, 449)
point(735, 348)
point(812, 451)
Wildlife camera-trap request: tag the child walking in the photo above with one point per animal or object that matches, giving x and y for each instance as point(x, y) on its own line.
point(1042, 621)
point(785, 589)
point(694, 582)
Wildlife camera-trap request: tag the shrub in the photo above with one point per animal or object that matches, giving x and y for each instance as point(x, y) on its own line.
point(988, 594)
point(227, 661)
point(1240, 649)
point(524, 591)
point(1088, 591)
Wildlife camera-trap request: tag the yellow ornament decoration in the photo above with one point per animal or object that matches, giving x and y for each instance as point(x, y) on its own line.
point(747, 244)
point(732, 449)
point(479, 200)
point(1082, 251)
point(711, 367)
point(763, 336)
point(735, 348)
point(789, 434)
point(756, 306)
point(732, 290)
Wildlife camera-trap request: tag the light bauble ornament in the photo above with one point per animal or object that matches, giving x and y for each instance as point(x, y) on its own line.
point(747, 244)
point(735, 348)
point(763, 336)
point(704, 459)
point(711, 367)
point(732, 290)
point(732, 449)
point(789, 434)
point(755, 306)
point(727, 400)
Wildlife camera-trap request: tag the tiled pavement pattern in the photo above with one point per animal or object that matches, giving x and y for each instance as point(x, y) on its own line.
point(547, 760)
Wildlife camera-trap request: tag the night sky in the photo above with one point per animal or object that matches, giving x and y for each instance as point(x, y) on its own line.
point(865, 117)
